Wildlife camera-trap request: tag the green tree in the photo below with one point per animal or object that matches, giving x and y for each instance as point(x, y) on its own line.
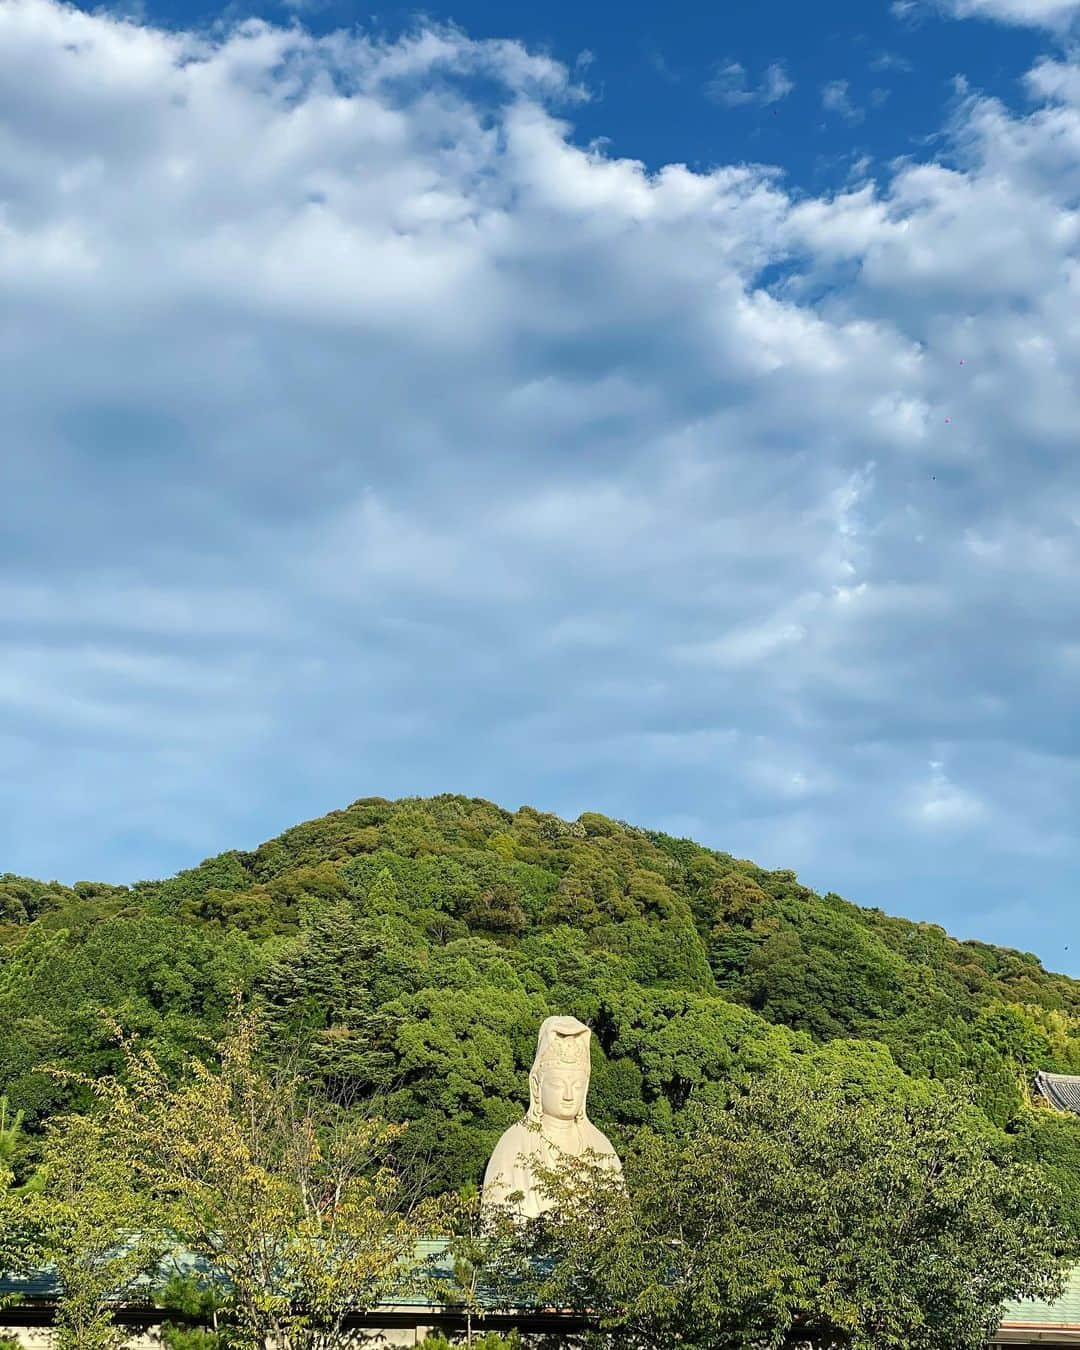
point(413, 947)
point(292, 1204)
point(93, 1226)
point(383, 898)
point(798, 1213)
point(197, 1300)
point(497, 910)
point(19, 1249)
point(1051, 1139)
point(484, 1263)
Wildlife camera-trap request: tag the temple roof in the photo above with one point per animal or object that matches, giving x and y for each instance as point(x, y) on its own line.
point(1060, 1089)
point(43, 1285)
point(1024, 1321)
point(1063, 1313)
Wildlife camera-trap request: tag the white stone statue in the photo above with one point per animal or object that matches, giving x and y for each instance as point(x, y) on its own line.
point(556, 1126)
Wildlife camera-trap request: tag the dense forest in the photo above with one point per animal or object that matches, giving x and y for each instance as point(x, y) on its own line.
point(407, 952)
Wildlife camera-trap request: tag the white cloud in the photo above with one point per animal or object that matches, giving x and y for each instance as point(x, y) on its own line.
point(730, 85)
point(1056, 15)
point(751, 644)
point(374, 436)
point(886, 60)
point(836, 99)
point(660, 64)
point(941, 804)
point(1054, 80)
point(777, 84)
point(778, 779)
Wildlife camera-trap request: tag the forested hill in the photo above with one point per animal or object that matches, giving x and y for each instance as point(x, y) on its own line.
point(412, 949)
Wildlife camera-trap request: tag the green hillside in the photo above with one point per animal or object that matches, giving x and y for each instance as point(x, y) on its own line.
point(410, 950)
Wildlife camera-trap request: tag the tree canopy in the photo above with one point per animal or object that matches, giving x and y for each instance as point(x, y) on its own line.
point(801, 1215)
point(412, 948)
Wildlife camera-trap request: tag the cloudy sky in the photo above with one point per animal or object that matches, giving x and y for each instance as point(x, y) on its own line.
point(604, 408)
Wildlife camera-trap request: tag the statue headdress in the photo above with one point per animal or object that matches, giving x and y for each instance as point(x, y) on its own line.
point(563, 1042)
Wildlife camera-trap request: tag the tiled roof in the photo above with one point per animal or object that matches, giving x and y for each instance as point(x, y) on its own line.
point(1061, 1315)
point(42, 1285)
point(1060, 1089)
point(1063, 1312)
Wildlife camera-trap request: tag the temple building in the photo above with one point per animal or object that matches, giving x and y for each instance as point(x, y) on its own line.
point(412, 1316)
point(1060, 1090)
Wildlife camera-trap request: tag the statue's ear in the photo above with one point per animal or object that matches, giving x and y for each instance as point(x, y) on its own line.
point(534, 1095)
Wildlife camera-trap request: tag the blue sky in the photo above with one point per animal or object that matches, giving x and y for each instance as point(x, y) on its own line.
point(606, 409)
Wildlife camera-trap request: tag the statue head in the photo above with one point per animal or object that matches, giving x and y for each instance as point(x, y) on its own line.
point(559, 1081)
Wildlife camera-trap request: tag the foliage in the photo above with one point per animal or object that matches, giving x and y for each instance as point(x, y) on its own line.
point(483, 1265)
point(19, 1246)
point(93, 1226)
point(491, 1340)
point(1051, 1141)
point(799, 1212)
point(292, 1203)
point(10, 1134)
point(175, 1337)
point(410, 950)
point(199, 1300)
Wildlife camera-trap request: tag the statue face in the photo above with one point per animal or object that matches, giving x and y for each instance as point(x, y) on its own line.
point(562, 1092)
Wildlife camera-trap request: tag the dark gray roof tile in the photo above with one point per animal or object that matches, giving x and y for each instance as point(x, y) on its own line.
point(1060, 1089)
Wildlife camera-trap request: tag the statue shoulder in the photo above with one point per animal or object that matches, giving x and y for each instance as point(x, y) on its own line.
point(513, 1141)
point(598, 1141)
point(519, 1130)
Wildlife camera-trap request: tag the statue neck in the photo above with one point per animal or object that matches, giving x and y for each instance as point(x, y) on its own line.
point(552, 1125)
